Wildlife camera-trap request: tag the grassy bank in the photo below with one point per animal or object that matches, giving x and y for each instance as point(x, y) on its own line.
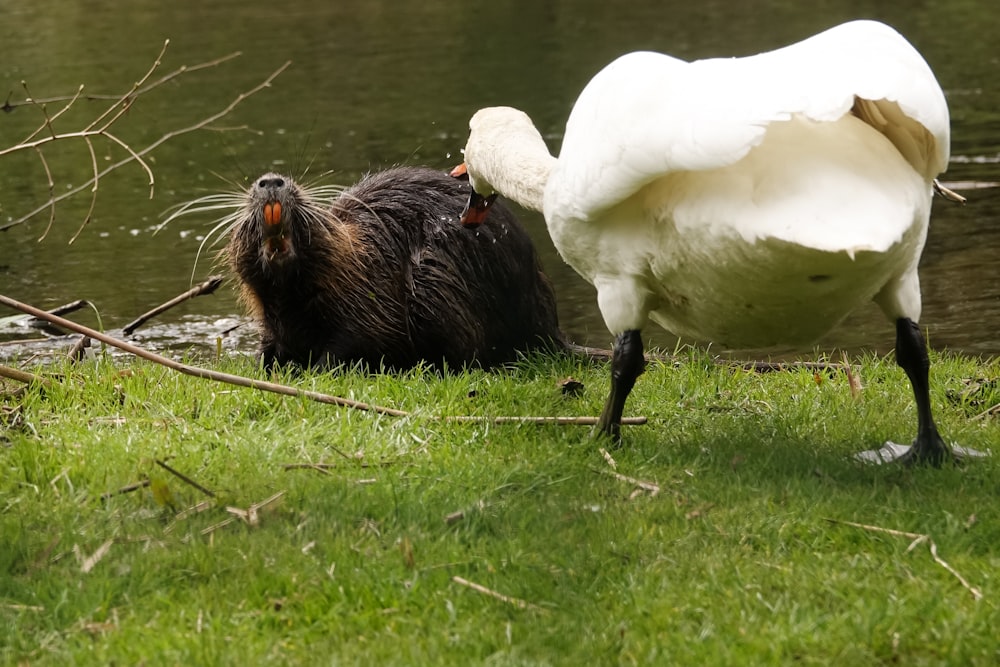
point(719, 533)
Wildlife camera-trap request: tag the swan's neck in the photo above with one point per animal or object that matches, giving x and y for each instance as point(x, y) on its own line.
point(510, 159)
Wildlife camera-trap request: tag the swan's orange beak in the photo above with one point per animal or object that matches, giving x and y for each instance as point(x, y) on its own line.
point(476, 210)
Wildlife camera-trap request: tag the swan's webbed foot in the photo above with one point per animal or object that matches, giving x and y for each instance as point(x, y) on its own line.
point(928, 448)
point(627, 364)
point(926, 451)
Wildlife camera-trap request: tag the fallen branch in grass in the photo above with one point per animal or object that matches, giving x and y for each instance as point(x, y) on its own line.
point(216, 526)
point(918, 538)
point(987, 412)
point(126, 489)
point(262, 385)
point(23, 376)
point(195, 371)
point(324, 467)
point(558, 421)
point(21, 607)
point(79, 349)
point(458, 515)
point(100, 128)
point(207, 287)
point(652, 487)
point(608, 458)
point(87, 564)
point(185, 478)
point(517, 602)
point(250, 515)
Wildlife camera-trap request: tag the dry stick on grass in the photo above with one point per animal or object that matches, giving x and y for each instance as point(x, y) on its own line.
point(987, 412)
point(917, 538)
point(126, 489)
point(79, 349)
point(517, 602)
point(654, 489)
point(251, 515)
point(207, 287)
point(100, 126)
point(195, 371)
point(241, 381)
point(458, 515)
point(23, 376)
point(185, 478)
point(87, 564)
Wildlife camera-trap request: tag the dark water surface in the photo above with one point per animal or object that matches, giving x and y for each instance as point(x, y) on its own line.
point(373, 84)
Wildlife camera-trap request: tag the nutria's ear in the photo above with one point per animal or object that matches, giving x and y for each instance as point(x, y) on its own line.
point(461, 172)
point(476, 210)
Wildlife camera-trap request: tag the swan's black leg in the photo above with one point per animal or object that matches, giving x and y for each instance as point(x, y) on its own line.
point(627, 364)
point(928, 447)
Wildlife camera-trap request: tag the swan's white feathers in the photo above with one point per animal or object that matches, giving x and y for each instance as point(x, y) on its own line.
point(749, 201)
point(656, 114)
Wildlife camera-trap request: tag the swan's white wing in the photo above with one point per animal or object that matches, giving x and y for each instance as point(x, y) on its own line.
point(647, 114)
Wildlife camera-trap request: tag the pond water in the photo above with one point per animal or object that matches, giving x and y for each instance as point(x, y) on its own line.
point(373, 84)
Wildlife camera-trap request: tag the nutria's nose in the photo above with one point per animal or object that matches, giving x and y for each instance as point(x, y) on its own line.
point(271, 182)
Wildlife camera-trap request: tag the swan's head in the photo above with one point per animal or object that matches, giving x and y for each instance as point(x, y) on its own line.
point(505, 155)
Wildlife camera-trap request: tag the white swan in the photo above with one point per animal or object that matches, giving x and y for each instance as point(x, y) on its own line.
point(750, 201)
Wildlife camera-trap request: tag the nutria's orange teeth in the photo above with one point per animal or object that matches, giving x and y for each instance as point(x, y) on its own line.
point(272, 213)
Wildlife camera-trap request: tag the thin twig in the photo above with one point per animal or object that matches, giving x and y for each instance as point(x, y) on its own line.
point(653, 488)
point(207, 287)
point(609, 459)
point(987, 412)
point(214, 527)
point(21, 607)
point(125, 97)
point(52, 191)
point(133, 154)
point(79, 349)
point(251, 514)
point(93, 559)
point(93, 191)
point(23, 376)
point(458, 515)
point(185, 478)
point(517, 602)
point(559, 421)
point(324, 467)
point(917, 538)
point(195, 371)
point(183, 69)
point(126, 489)
point(318, 467)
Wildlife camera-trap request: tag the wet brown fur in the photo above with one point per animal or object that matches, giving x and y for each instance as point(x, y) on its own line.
point(386, 276)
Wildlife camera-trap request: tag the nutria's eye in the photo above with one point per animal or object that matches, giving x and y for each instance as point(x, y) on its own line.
point(273, 182)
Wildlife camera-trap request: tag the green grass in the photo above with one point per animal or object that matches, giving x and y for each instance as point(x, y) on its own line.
point(735, 560)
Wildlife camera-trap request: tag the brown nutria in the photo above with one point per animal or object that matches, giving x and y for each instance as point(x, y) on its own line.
point(382, 275)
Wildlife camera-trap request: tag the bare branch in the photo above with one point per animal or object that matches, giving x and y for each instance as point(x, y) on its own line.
point(207, 287)
point(93, 190)
point(124, 99)
point(100, 127)
point(183, 69)
point(48, 121)
point(52, 193)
